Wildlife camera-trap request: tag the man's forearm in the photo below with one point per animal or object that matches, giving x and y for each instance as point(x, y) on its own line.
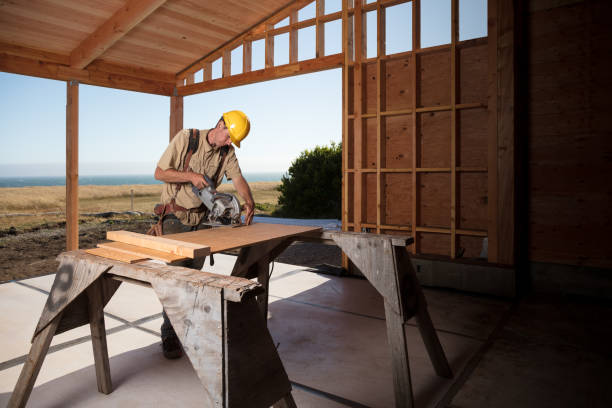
point(242, 187)
point(175, 176)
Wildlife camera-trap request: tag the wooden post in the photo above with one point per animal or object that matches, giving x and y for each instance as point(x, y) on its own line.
point(347, 49)
point(206, 71)
point(416, 44)
point(358, 179)
point(72, 165)
point(176, 115)
point(380, 99)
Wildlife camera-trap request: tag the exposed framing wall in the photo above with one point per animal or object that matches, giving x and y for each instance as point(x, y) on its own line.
point(423, 135)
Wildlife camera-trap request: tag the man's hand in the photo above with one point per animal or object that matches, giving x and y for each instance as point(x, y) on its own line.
point(198, 180)
point(249, 209)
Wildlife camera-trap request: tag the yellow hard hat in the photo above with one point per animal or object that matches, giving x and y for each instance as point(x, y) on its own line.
point(238, 125)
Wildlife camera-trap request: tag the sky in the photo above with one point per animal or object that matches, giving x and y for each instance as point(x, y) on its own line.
point(123, 132)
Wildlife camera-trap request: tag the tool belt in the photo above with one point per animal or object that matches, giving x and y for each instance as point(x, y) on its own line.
point(172, 207)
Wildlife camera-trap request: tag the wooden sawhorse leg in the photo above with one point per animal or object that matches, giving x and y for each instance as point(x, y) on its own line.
point(385, 262)
point(31, 368)
point(77, 297)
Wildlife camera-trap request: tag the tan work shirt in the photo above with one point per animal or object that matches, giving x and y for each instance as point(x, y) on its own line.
point(205, 160)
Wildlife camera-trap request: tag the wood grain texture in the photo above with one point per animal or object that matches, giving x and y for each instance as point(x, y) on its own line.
point(196, 314)
point(255, 374)
point(165, 243)
point(235, 288)
point(396, 338)
point(122, 256)
point(72, 165)
point(226, 238)
point(143, 252)
point(95, 295)
point(112, 30)
point(31, 368)
point(71, 279)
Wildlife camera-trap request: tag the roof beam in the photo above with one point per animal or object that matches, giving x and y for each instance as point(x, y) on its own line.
point(124, 19)
point(107, 75)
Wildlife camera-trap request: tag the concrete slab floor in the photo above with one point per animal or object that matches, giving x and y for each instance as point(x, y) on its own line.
point(331, 337)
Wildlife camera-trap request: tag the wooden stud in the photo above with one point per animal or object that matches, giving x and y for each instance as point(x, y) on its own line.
point(98, 336)
point(453, 158)
point(227, 63)
point(505, 132)
point(207, 71)
point(380, 97)
point(320, 29)
point(176, 115)
point(72, 165)
point(190, 79)
point(358, 68)
point(293, 37)
point(247, 56)
point(416, 44)
point(269, 50)
point(113, 29)
point(492, 210)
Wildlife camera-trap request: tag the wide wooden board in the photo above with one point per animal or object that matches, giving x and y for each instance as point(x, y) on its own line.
point(165, 244)
point(143, 252)
point(226, 238)
point(116, 255)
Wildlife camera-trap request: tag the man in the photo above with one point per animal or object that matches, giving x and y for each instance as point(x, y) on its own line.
point(191, 154)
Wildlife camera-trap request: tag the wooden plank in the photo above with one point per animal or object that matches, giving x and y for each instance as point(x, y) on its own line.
point(505, 132)
point(358, 194)
point(176, 115)
point(247, 56)
point(112, 30)
point(293, 37)
point(116, 255)
point(348, 51)
point(95, 296)
point(320, 29)
point(93, 76)
point(197, 316)
point(143, 252)
point(416, 44)
point(380, 99)
point(79, 275)
point(31, 368)
point(72, 165)
point(492, 230)
point(453, 133)
point(165, 244)
point(226, 238)
point(207, 71)
point(282, 71)
point(35, 54)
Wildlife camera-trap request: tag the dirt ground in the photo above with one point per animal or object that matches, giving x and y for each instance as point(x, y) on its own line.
point(32, 253)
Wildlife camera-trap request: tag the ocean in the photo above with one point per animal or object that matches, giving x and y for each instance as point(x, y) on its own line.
point(112, 180)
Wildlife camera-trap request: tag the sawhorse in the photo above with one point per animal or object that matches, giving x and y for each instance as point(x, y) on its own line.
point(216, 318)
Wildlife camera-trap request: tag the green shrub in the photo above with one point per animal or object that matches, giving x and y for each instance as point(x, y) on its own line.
point(312, 188)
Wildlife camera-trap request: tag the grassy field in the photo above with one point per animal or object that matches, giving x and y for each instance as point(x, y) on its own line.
point(29, 207)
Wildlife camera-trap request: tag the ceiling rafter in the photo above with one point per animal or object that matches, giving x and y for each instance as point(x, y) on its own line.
point(113, 29)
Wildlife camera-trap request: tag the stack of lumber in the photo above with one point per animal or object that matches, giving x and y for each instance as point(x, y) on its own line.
point(131, 247)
